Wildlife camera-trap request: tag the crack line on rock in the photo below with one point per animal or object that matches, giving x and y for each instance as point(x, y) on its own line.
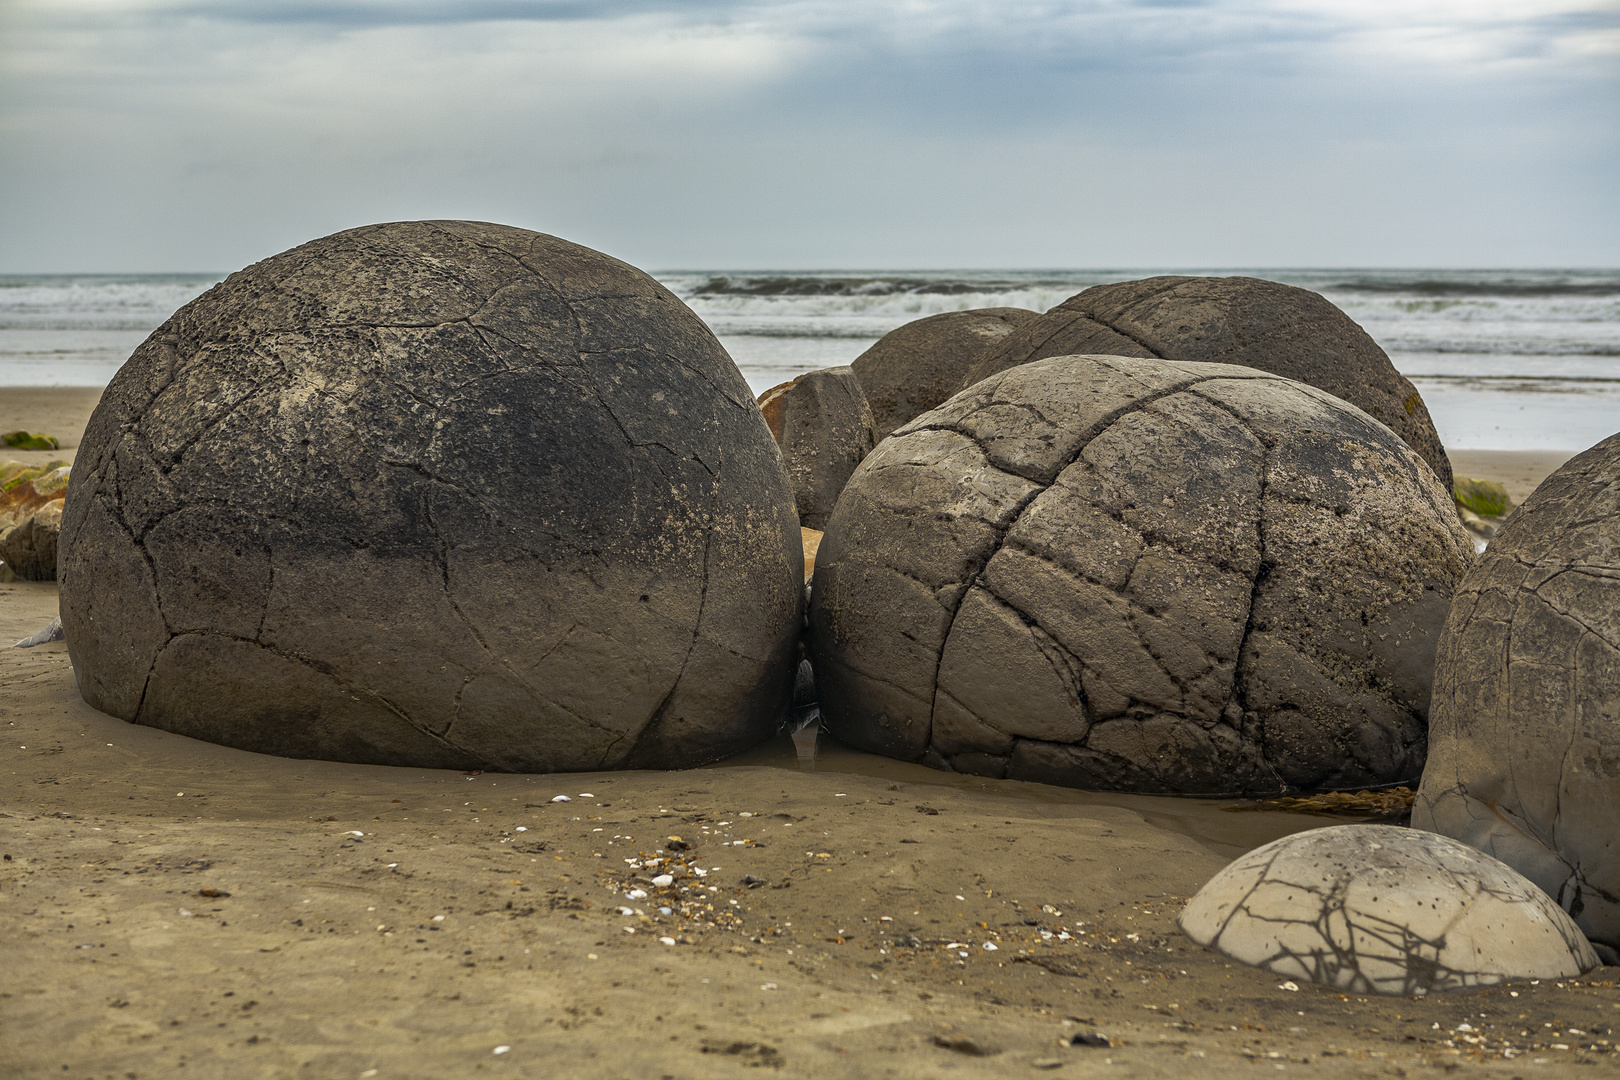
point(1085, 439)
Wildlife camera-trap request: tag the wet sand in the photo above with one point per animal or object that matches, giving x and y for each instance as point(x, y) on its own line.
point(175, 908)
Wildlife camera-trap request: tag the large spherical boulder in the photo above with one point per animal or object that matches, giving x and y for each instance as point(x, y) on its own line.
point(1524, 739)
point(1231, 320)
point(822, 425)
point(914, 367)
point(1128, 574)
point(436, 494)
point(1380, 909)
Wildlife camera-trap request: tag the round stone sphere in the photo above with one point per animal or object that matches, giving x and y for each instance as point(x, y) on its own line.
point(1139, 575)
point(1524, 739)
point(914, 367)
point(1381, 909)
point(1230, 320)
point(436, 493)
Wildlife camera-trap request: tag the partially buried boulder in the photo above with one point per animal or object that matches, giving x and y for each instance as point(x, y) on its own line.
point(1139, 575)
point(436, 494)
point(1231, 320)
point(1524, 740)
point(1380, 909)
point(915, 367)
point(821, 422)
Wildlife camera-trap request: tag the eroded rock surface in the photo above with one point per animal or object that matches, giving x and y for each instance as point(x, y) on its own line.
point(824, 428)
point(1231, 320)
point(1127, 574)
point(29, 549)
point(1380, 909)
point(440, 494)
point(1524, 759)
point(913, 368)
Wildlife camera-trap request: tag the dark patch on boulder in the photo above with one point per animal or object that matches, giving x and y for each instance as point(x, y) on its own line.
point(1278, 328)
point(1524, 738)
point(821, 422)
point(442, 494)
point(1139, 575)
point(913, 368)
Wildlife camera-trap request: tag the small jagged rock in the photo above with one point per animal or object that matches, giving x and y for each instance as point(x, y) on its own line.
point(1128, 574)
point(1380, 909)
point(1231, 320)
point(29, 549)
point(913, 368)
point(1524, 737)
point(443, 494)
point(824, 428)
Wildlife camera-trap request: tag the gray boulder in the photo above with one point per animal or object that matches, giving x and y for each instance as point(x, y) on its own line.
point(915, 367)
point(439, 494)
point(1524, 739)
point(30, 548)
point(824, 428)
point(1231, 320)
point(1127, 574)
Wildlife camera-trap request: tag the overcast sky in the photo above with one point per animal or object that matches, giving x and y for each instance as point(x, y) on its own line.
point(151, 135)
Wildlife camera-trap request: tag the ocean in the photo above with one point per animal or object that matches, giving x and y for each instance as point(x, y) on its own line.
point(1504, 359)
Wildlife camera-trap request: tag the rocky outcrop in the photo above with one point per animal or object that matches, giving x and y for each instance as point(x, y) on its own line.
point(439, 494)
point(824, 428)
point(915, 367)
point(1379, 909)
point(1139, 575)
point(1524, 758)
point(1231, 320)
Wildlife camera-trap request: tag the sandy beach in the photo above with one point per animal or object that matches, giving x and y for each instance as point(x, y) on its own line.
point(176, 908)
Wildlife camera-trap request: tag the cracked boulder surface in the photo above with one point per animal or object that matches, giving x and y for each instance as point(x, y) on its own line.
point(913, 368)
point(442, 494)
point(1381, 909)
point(822, 425)
point(1524, 759)
point(1231, 320)
point(1138, 575)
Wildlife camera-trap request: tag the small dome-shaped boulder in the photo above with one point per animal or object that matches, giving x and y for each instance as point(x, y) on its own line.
point(1524, 736)
point(1231, 320)
point(1139, 575)
point(437, 494)
point(914, 367)
point(1380, 909)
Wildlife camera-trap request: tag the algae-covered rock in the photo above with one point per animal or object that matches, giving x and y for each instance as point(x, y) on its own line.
point(22, 440)
point(1487, 498)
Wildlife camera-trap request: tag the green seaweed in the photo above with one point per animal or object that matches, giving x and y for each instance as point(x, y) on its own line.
point(1487, 498)
point(31, 472)
point(22, 440)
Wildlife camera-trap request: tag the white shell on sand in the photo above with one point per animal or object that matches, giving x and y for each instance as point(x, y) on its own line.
point(1385, 910)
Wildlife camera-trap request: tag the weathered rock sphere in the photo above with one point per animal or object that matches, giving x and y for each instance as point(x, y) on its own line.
point(1139, 575)
point(1381, 909)
point(913, 368)
point(1230, 320)
point(436, 494)
point(1524, 740)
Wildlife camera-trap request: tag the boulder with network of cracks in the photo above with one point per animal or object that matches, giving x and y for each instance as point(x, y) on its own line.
point(1524, 737)
point(1231, 320)
point(913, 368)
point(1126, 574)
point(1381, 909)
point(824, 428)
point(444, 494)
